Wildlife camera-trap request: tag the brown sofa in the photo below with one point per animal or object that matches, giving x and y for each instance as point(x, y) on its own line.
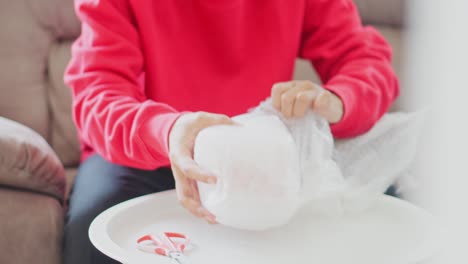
point(39, 150)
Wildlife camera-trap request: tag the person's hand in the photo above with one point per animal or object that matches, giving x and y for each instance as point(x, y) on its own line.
point(185, 169)
point(294, 98)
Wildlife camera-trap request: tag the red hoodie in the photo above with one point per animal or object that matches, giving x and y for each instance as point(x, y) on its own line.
point(139, 63)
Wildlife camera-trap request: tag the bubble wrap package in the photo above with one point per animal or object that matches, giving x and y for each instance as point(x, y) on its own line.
point(258, 172)
point(268, 167)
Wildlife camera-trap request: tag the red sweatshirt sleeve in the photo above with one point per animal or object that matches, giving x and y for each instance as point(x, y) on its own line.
point(110, 108)
point(353, 61)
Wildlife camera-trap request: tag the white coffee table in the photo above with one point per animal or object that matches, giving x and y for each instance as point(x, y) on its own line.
point(392, 232)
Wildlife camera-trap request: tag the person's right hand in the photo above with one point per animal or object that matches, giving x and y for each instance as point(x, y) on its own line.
point(185, 169)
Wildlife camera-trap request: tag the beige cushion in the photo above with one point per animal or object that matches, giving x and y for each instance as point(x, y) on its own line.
point(23, 50)
point(31, 228)
point(31, 70)
point(57, 16)
point(27, 161)
point(383, 12)
point(63, 134)
point(70, 174)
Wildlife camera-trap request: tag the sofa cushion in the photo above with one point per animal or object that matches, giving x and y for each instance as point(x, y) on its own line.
point(70, 174)
point(63, 135)
point(31, 228)
point(30, 30)
point(27, 161)
point(24, 45)
point(383, 12)
point(57, 16)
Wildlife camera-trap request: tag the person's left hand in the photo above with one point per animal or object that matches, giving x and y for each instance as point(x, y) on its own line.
point(294, 98)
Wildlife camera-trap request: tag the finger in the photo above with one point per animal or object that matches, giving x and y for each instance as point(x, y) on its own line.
point(288, 99)
point(208, 216)
point(205, 120)
point(195, 196)
point(190, 169)
point(321, 104)
point(276, 91)
point(189, 197)
point(195, 207)
point(216, 119)
point(303, 102)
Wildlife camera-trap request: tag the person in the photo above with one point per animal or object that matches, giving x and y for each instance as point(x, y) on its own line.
point(147, 76)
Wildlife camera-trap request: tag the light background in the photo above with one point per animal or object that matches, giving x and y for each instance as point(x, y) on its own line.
point(437, 73)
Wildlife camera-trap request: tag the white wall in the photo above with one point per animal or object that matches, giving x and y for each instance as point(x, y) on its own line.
point(437, 74)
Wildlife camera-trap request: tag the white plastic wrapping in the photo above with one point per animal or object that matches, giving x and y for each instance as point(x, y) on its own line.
point(258, 172)
point(268, 167)
point(379, 158)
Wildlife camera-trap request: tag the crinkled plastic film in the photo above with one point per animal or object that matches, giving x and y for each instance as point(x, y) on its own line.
point(269, 167)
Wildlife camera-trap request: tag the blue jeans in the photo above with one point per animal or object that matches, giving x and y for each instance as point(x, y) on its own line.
point(98, 186)
point(392, 191)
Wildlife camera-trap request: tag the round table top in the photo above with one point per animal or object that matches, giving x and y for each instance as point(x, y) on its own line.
point(392, 231)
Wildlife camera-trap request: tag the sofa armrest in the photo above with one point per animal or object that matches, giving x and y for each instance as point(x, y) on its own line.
point(28, 162)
